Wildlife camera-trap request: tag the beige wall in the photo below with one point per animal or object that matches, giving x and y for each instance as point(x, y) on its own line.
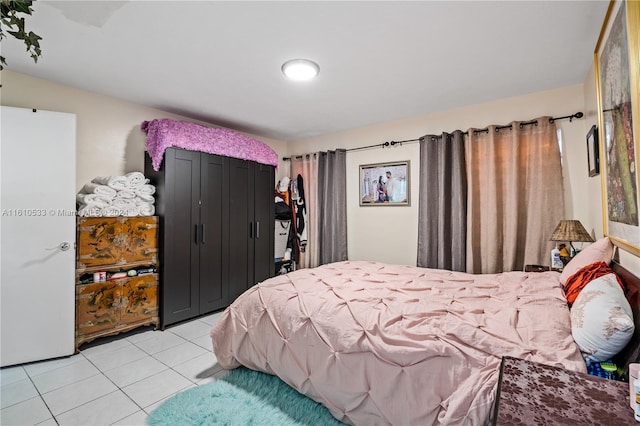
point(109, 139)
point(390, 233)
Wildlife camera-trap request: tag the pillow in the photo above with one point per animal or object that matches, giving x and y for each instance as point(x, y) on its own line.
point(600, 251)
point(576, 282)
point(601, 319)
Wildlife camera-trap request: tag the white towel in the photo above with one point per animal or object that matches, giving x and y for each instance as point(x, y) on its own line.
point(131, 211)
point(126, 193)
point(83, 198)
point(143, 198)
point(98, 189)
point(89, 211)
point(123, 203)
point(146, 209)
point(146, 189)
point(135, 180)
point(110, 211)
point(115, 182)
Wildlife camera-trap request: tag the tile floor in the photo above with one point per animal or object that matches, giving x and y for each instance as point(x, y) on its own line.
point(112, 381)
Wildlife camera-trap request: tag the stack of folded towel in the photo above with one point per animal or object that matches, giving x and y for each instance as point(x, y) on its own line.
point(110, 196)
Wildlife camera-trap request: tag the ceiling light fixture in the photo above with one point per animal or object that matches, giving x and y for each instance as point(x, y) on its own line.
point(300, 69)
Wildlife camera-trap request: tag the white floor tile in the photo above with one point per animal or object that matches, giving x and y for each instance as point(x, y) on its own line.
point(154, 388)
point(140, 337)
point(212, 319)
point(102, 411)
point(215, 376)
point(139, 418)
point(54, 379)
point(135, 371)
point(179, 354)
point(204, 342)
point(191, 329)
point(29, 412)
point(83, 389)
point(40, 367)
point(149, 409)
point(16, 392)
point(76, 394)
point(199, 368)
point(111, 346)
point(106, 361)
point(12, 374)
point(159, 342)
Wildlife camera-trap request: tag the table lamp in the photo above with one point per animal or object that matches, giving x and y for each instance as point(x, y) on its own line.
point(571, 230)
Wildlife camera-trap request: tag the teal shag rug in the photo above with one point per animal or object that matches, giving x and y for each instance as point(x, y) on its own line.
point(242, 397)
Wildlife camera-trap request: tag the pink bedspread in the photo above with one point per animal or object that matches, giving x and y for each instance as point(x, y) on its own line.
point(386, 344)
point(165, 133)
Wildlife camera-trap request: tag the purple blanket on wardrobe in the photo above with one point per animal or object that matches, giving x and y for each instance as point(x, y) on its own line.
point(165, 133)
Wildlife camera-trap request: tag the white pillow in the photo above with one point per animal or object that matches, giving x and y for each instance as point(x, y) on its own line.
point(600, 251)
point(601, 319)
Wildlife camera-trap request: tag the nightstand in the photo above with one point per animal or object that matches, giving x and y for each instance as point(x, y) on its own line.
point(530, 393)
point(536, 268)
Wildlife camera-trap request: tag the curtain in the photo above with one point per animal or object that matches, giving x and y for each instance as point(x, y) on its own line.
point(515, 196)
point(332, 206)
point(307, 167)
point(442, 210)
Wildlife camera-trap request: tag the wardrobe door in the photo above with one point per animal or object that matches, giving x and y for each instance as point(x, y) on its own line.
point(179, 293)
point(241, 226)
point(264, 217)
point(214, 232)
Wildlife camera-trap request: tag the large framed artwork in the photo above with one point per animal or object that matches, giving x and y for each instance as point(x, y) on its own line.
point(617, 67)
point(385, 184)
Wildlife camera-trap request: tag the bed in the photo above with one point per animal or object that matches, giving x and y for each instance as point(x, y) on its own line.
point(389, 344)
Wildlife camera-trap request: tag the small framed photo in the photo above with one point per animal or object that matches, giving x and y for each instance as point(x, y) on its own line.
point(593, 151)
point(385, 184)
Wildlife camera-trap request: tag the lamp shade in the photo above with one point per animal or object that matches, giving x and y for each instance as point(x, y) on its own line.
point(571, 230)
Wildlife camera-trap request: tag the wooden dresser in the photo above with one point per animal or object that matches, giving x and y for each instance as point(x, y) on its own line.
point(106, 301)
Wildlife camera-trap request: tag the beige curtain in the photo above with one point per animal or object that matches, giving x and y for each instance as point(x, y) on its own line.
point(307, 167)
point(515, 196)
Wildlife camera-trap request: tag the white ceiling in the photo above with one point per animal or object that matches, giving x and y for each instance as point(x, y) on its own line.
point(379, 61)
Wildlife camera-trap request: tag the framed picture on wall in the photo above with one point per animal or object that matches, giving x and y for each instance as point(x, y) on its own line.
point(385, 184)
point(593, 151)
point(618, 88)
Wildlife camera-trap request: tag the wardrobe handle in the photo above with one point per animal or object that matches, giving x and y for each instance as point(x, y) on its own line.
point(203, 233)
point(196, 233)
point(250, 229)
point(258, 230)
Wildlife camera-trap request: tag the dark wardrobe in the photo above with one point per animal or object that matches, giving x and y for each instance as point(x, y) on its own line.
point(216, 230)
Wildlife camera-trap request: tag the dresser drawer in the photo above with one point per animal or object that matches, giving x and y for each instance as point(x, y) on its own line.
point(116, 241)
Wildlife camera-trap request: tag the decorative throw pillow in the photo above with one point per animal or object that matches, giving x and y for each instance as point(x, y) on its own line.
point(601, 319)
point(600, 251)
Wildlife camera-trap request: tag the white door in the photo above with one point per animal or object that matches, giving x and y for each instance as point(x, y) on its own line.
point(37, 234)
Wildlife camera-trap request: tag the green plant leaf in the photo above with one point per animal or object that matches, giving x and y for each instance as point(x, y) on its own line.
point(15, 26)
point(21, 6)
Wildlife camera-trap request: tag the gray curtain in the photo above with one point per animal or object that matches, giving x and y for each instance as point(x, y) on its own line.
point(332, 206)
point(442, 214)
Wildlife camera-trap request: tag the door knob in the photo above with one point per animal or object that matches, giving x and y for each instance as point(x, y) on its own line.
point(63, 246)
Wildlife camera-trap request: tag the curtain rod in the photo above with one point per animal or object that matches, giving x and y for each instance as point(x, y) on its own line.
point(485, 130)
